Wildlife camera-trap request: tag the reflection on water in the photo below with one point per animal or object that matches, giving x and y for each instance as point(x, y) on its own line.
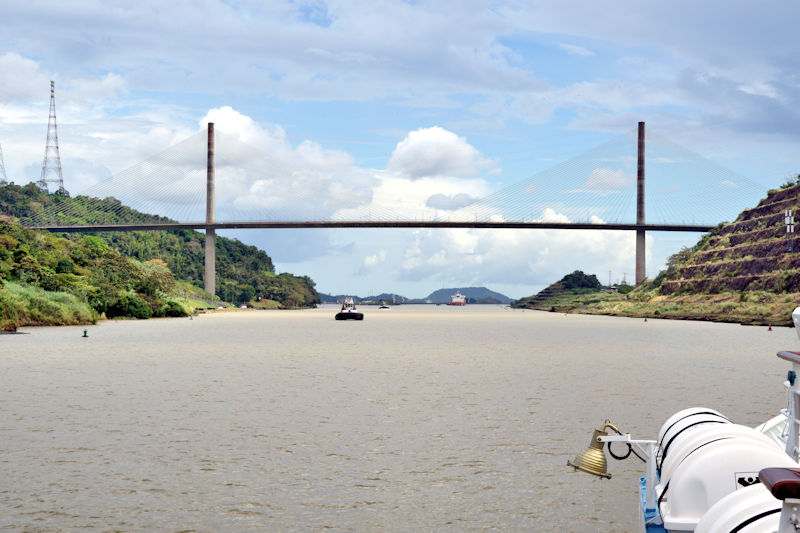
point(418, 418)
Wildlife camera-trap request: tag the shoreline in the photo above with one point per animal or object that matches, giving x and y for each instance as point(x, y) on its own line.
point(746, 308)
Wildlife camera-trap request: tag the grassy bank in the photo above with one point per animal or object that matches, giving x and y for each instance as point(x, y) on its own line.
point(756, 307)
point(26, 305)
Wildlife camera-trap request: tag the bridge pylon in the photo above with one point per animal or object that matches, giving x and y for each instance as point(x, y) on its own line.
point(640, 236)
point(210, 263)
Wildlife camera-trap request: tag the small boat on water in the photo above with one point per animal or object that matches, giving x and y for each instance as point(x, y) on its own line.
point(348, 311)
point(705, 474)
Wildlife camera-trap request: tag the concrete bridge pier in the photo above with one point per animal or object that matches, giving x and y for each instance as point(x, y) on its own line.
point(640, 248)
point(210, 274)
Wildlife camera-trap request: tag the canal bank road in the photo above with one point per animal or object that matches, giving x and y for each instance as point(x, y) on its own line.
point(427, 418)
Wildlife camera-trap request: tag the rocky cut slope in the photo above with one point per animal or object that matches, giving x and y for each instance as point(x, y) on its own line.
point(752, 253)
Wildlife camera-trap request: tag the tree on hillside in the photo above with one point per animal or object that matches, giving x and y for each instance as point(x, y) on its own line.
point(579, 280)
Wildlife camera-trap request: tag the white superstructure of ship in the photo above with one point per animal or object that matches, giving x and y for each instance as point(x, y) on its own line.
point(458, 299)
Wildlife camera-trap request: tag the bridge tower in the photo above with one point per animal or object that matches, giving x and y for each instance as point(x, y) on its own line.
point(52, 160)
point(210, 275)
point(640, 248)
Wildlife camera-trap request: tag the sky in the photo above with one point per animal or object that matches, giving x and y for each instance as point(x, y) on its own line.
point(413, 108)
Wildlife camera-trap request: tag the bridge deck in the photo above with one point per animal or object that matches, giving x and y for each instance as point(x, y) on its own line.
point(365, 224)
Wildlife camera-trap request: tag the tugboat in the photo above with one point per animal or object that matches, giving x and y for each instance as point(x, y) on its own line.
point(348, 311)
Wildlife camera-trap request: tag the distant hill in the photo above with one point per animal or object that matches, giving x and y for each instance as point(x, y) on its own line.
point(383, 297)
point(474, 295)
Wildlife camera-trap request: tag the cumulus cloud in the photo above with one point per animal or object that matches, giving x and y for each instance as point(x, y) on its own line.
point(260, 173)
point(431, 152)
point(550, 215)
point(21, 78)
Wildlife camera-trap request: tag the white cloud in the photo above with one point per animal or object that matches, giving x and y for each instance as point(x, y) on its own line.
point(550, 215)
point(760, 89)
point(259, 172)
point(375, 259)
point(576, 50)
point(431, 152)
point(21, 78)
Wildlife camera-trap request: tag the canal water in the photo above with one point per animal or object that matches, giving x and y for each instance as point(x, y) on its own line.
point(419, 418)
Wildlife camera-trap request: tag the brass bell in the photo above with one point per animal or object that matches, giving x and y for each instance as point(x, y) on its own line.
point(592, 460)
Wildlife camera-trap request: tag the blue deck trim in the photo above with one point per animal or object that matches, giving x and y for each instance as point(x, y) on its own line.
point(648, 514)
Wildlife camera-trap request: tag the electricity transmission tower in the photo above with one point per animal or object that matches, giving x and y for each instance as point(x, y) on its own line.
point(51, 163)
point(3, 176)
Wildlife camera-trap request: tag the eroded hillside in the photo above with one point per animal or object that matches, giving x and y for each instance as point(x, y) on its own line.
point(752, 253)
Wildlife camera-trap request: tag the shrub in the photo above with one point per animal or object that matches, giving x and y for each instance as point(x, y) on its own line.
point(129, 305)
point(625, 288)
point(173, 308)
point(64, 266)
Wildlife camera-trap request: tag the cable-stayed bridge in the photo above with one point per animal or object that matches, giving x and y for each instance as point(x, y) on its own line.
point(215, 181)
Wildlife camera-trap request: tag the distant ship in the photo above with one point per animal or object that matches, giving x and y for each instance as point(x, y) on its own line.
point(458, 299)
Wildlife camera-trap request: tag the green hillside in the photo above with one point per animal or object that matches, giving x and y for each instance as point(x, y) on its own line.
point(572, 288)
point(108, 263)
point(45, 279)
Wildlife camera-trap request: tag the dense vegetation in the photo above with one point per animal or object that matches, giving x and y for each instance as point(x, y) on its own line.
point(51, 280)
point(128, 274)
